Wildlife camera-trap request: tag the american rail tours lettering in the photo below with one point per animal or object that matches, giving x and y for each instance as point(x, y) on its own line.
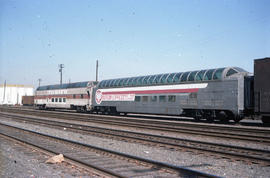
point(100, 96)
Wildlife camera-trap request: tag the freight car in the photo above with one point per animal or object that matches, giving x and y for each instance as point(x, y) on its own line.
point(27, 100)
point(76, 96)
point(262, 89)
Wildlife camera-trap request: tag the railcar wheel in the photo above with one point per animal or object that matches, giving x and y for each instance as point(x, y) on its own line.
point(266, 119)
point(208, 116)
point(223, 117)
point(237, 119)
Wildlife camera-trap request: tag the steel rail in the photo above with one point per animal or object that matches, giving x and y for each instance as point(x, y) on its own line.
point(248, 134)
point(160, 165)
point(220, 149)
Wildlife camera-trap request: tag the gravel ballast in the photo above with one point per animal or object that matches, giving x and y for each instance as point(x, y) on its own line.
point(211, 165)
point(19, 161)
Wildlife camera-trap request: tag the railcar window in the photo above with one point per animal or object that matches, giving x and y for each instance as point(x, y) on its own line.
point(231, 72)
point(104, 83)
point(60, 100)
point(125, 83)
point(162, 98)
point(101, 84)
point(199, 76)
point(170, 78)
point(163, 78)
point(134, 82)
point(137, 98)
point(153, 98)
point(64, 100)
point(56, 99)
point(218, 74)
point(121, 82)
point(146, 79)
point(171, 98)
point(192, 76)
point(184, 77)
point(157, 78)
point(151, 80)
point(113, 83)
point(176, 77)
point(74, 96)
point(116, 83)
point(145, 98)
point(208, 75)
point(139, 80)
point(109, 84)
point(52, 99)
point(130, 81)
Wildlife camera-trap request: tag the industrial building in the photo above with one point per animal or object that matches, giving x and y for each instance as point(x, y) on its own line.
point(12, 94)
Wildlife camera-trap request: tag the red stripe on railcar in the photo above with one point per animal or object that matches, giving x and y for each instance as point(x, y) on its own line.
point(191, 90)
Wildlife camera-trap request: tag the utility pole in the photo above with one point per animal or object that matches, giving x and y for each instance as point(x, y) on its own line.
point(39, 80)
point(61, 66)
point(5, 85)
point(97, 71)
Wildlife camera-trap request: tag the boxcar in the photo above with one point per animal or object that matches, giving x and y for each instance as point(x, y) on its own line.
point(262, 88)
point(28, 100)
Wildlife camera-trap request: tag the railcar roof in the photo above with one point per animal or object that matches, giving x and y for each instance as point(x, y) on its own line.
point(172, 78)
point(63, 86)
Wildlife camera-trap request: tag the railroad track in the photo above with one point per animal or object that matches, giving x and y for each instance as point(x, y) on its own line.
point(111, 163)
point(225, 132)
point(248, 155)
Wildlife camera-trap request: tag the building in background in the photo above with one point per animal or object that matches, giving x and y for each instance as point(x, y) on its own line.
point(12, 94)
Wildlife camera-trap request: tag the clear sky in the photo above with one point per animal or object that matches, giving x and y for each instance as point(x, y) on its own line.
point(128, 37)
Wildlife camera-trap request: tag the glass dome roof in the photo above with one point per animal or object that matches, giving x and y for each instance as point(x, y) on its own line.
point(172, 78)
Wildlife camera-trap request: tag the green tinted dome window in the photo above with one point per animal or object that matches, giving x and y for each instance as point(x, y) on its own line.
point(163, 79)
point(199, 76)
point(184, 77)
point(130, 81)
point(208, 75)
point(170, 77)
point(231, 72)
point(112, 82)
point(109, 84)
point(140, 80)
point(64, 86)
point(102, 83)
point(218, 74)
point(115, 84)
point(146, 78)
point(134, 81)
point(121, 82)
point(151, 79)
point(157, 78)
point(125, 82)
point(192, 75)
point(176, 77)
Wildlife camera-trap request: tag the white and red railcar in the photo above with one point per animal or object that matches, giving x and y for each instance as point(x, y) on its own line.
point(75, 96)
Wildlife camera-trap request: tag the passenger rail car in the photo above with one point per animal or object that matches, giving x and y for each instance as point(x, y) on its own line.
point(77, 96)
point(229, 93)
point(211, 94)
